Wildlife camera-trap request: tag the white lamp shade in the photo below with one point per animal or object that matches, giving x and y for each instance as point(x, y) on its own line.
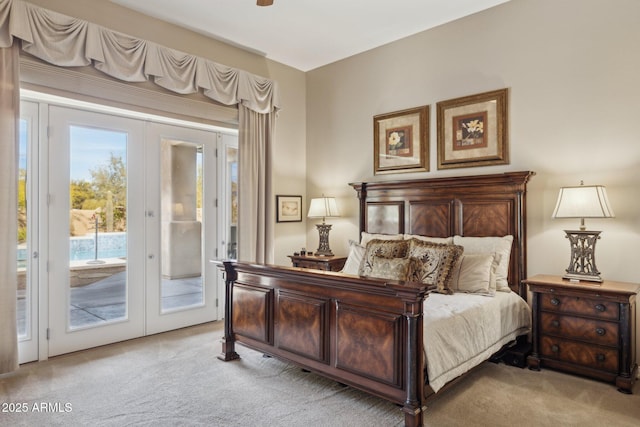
point(323, 207)
point(585, 201)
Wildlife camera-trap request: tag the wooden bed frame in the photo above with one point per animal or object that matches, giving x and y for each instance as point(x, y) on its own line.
point(365, 332)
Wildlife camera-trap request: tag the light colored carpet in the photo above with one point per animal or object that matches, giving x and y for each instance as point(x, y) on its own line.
point(175, 379)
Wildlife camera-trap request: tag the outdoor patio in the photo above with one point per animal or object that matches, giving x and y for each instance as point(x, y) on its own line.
point(104, 300)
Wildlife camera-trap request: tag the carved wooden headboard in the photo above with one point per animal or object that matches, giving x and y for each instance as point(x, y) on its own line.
point(478, 206)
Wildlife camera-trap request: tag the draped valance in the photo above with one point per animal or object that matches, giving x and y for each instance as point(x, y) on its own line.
point(68, 42)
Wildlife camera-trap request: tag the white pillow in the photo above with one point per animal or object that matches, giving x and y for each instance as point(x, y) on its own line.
point(367, 237)
point(445, 240)
point(352, 264)
point(500, 246)
point(475, 274)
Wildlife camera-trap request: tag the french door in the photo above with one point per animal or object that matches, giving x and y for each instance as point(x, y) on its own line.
point(97, 254)
point(181, 217)
point(132, 222)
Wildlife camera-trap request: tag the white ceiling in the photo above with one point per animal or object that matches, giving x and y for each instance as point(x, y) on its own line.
point(306, 34)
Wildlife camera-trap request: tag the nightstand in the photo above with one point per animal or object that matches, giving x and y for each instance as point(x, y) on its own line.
point(326, 263)
point(585, 328)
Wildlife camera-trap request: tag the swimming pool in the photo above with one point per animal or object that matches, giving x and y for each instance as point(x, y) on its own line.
point(110, 245)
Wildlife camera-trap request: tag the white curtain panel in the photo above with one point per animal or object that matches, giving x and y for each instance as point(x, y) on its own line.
point(69, 42)
point(9, 115)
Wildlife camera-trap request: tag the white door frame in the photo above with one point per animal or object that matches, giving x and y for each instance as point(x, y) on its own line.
point(41, 325)
point(225, 141)
point(28, 344)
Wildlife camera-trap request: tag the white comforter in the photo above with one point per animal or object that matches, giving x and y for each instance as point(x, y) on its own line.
point(462, 330)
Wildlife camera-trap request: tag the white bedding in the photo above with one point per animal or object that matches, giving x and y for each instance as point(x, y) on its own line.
point(462, 330)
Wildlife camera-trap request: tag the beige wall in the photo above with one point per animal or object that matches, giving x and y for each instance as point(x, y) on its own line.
point(572, 70)
point(290, 151)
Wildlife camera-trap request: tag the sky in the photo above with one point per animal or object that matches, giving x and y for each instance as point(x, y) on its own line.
point(89, 148)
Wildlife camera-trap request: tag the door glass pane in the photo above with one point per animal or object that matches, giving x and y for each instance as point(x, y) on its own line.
point(98, 226)
point(232, 203)
point(24, 284)
point(181, 224)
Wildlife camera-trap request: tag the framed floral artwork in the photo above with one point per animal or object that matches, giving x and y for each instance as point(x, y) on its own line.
point(401, 141)
point(473, 131)
point(288, 208)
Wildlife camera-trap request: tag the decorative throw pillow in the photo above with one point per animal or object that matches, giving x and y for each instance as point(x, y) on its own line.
point(382, 248)
point(501, 246)
point(367, 237)
point(436, 263)
point(354, 259)
point(390, 268)
point(474, 274)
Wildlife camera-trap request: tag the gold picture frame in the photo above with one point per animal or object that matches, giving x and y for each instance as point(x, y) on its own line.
point(401, 141)
point(473, 130)
point(288, 208)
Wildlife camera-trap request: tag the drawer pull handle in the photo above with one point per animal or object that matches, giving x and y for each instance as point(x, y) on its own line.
point(555, 324)
point(600, 307)
point(555, 301)
point(555, 348)
point(600, 331)
point(600, 357)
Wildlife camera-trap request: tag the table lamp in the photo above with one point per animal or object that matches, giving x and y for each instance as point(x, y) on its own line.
point(583, 201)
point(323, 207)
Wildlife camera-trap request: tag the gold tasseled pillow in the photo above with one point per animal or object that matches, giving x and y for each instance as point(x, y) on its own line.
point(391, 268)
point(436, 263)
point(383, 249)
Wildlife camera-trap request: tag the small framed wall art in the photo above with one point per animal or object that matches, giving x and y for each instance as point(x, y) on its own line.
point(401, 141)
point(288, 208)
point(473, 130)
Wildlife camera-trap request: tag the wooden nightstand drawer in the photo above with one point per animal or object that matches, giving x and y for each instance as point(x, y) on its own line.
point(592, 356)
point(585, 328)
point(309, 264)
point(326, 263)
point(582, 306)
point(595, 331)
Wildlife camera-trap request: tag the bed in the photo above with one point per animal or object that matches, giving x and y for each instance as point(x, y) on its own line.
point(370, 333)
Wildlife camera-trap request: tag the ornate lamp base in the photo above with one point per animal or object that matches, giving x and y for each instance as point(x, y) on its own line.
point(323, 247)
point(583, 258)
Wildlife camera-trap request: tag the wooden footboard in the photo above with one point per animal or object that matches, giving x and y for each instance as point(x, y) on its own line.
point(359, 331)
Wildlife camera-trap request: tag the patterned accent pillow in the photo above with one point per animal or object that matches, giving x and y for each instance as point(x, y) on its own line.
point(437, 262)
point(382, 248)
point(447, 240)
point(367, 237)
point(390, 268)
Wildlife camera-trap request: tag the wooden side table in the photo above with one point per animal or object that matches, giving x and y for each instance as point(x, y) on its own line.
point(585, 328)
point(326, 263)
